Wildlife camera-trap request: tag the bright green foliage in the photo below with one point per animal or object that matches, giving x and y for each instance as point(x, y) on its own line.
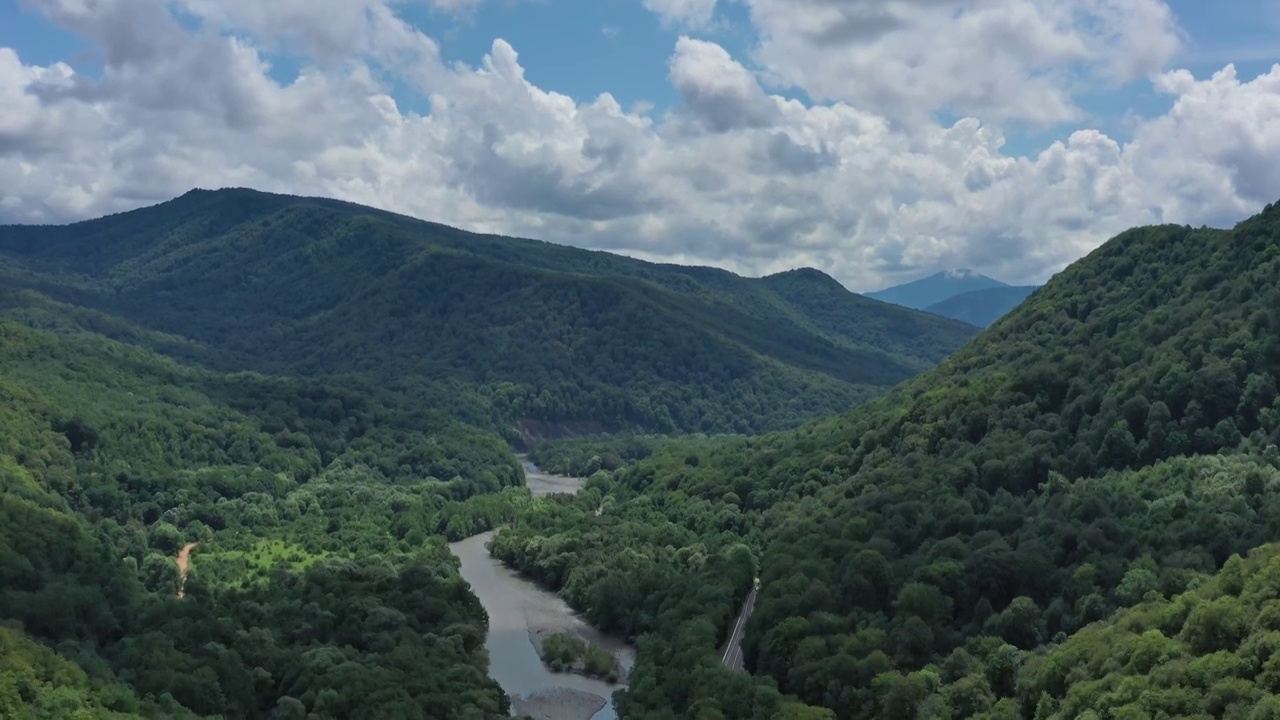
point(1207, 652)
point(320, 584)
point(496, 330)
point(564, 652)
point(36, 684)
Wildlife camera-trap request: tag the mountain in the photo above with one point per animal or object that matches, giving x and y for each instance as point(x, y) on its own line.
point(542, 335)
point(920, 294)
point(1111, 441)
point(306, 398)
point(982, 307)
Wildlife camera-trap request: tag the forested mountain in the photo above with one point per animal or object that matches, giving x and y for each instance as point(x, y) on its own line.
point(311, 394)
point(982, 307)
point(1110, 442)
point(541, 332)
point(920, 294)
point(1041, 526)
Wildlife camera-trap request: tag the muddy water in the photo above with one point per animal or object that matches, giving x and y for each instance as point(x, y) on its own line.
point(517, 609)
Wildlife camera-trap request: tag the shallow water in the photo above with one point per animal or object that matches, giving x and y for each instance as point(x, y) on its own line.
point(516, 607)
point(541, 483)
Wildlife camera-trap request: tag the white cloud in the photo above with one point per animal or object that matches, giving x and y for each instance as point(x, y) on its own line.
point(687, 13)
point(717, 89)
point(734, 177)
point(995, 59)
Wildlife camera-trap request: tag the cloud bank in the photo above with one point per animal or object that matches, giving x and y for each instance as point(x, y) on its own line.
point(861, 179)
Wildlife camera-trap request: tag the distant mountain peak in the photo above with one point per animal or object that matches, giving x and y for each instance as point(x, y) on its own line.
point(982, 307)
point(931, 290)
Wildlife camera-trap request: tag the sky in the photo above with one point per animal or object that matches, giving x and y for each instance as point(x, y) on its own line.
point(876, 140)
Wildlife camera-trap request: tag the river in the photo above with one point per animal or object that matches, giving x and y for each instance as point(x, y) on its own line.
point(517, 608)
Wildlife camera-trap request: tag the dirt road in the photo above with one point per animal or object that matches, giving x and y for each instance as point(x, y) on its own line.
point(184, 560)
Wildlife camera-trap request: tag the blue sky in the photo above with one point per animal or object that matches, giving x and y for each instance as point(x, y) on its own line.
point(583, 48)
point(959, 138)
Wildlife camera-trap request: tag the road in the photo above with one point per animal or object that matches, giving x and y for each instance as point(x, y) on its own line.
point(732, 655)
point(184, 557)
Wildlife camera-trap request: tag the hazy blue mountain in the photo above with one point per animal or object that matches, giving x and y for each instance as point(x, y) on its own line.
point(983, 307)
point(920, 294)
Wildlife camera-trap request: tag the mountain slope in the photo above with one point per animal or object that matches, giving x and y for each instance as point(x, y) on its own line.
point(1208, 652)
point(283, 284)
point(834, 311)
point(1024, 488)
point(920, 294)
point(981, 308)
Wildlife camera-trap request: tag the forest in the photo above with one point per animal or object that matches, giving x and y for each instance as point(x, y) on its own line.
point(1070, 515)
point(497, 329)
point(323, 586)
point(318, 395)
point(1112, 442)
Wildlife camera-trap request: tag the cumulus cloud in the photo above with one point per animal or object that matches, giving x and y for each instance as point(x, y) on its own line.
point(718, 90)
point(735, 176)
point(322, 28)
point(995, 59)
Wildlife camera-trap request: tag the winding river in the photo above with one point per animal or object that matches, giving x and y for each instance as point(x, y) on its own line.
point(518, 609)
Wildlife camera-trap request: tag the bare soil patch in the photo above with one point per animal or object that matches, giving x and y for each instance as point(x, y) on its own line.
point(184, 562)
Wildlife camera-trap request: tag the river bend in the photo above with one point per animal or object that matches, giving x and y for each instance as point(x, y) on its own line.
point(517, 609)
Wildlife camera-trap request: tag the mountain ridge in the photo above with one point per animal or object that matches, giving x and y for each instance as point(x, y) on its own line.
point(920, 294)
point(277, 283)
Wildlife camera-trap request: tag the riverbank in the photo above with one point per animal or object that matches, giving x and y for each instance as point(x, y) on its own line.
point(551, 637)
point(522, 615)
point(559, 704)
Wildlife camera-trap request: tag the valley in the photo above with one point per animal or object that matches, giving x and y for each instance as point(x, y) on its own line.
point(519, 612)
point(258, 458)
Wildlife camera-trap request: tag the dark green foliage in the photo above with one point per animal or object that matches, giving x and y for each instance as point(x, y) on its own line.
point(320, 583)
point(37, 684)
point(671, 573)
point(581, 457)
point(1112, 438)
point(496, 330)
point(376, 637)
point(834, 311)
point(343, 374)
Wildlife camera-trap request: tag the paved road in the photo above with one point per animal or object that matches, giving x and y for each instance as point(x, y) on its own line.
point(732, 655)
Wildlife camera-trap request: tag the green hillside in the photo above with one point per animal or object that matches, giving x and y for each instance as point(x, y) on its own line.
point(1208, 652)
point(320, 584)
point(314, 393)
point(915, 550)
point(541, 332)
